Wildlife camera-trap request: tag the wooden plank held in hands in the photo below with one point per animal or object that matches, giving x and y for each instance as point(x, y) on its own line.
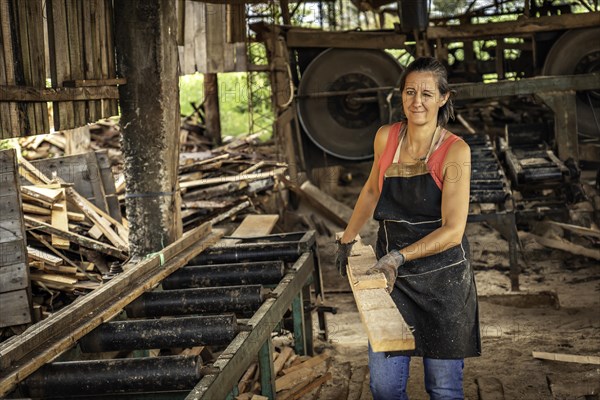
point(386, 329)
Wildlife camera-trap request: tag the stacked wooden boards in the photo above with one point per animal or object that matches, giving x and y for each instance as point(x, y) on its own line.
point(15, 296)
point(386, 329)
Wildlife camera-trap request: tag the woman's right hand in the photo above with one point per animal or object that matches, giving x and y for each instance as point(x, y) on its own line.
point(341, 256)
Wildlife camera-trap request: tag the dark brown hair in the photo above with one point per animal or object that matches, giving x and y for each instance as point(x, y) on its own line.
point(430, 64)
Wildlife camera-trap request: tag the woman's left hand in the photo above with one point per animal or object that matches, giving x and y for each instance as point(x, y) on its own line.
point(388, 265)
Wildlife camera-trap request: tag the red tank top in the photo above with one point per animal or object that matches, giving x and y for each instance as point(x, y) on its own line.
point(435, 163)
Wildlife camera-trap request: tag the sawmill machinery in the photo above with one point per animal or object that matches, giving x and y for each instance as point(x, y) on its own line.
point(344, 94)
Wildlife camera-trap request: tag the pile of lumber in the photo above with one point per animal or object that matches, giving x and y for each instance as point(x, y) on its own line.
point(227, 179)
point(70, 240)
point(295, 376)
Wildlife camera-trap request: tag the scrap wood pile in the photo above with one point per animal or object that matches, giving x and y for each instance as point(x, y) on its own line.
point(295, 376)
point(220, 182)
point(102, 135)
point(71, 242)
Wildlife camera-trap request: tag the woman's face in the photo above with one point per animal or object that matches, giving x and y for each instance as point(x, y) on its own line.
point(421, 98)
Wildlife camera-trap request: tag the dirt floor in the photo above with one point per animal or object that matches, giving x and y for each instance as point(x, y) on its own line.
point(510, 334)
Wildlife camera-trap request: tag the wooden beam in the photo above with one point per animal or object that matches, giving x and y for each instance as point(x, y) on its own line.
point(522, 26)
point(527, 86)
point(296, 38)
point(28, 93)
point(302, 37)
point(23, 354)
point(94, 82)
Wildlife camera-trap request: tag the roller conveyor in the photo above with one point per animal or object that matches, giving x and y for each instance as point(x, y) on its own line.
point(172, 319)
point(241, 300)
point(246, 273)
point(488, 182)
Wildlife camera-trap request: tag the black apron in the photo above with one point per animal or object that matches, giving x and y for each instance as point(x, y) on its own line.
point(436, 295)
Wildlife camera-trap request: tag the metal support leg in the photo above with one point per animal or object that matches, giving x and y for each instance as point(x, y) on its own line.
point(234, 393)
point(299, 333)
point(267, 374)
point(308, 322)
point(513, 239)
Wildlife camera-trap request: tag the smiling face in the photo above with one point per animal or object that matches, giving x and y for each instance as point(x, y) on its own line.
point(421, 98)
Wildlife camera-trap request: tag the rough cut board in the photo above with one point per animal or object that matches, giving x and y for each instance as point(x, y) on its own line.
point(386, 329)
point(252, 225)
point(256, 225)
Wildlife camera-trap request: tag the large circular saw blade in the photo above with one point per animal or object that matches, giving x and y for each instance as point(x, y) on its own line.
point(345, 126)
point(578, 52)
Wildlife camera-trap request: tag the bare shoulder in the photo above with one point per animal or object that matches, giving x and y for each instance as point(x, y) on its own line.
point(459, 151)
point(381, 138)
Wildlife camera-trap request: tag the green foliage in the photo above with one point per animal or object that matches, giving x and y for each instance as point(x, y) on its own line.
point(6, 144)
point(233, 100)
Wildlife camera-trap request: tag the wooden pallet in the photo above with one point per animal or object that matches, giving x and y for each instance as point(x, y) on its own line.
point(15, 294)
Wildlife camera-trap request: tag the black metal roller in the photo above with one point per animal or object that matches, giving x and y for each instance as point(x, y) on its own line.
point(578, 52)
point(345, 125)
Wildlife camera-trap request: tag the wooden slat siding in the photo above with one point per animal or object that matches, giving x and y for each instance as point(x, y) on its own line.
point(228, 48)
point(215, 24)
point(62, 94)
point(15, 297)
point(101, 15)
point(37, 50)
point(75, 57)
point(110, 53)
point(14, 120)
point(60, 69)
point(5, 127)
point(89, 21)
point(191, 23)
point(23, 65)
point(200, 37)
point(236, 23)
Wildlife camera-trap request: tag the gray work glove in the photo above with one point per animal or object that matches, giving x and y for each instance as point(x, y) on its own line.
point(341, 256)
point(388, 265)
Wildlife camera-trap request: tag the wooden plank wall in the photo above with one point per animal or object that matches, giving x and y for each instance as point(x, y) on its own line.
point(80, 37)
point(15, 296)
point(213, 38)
point(22, 63)
point(80, 46)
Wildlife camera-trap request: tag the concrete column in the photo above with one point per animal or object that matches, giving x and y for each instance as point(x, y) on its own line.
point(146, 44)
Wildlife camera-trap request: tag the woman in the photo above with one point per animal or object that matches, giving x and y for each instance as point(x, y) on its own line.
point(418, 190)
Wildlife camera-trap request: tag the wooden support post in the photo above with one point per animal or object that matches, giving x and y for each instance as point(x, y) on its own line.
point(146, 43)
point(211, 107)
point(267, 374)
point(565, 121)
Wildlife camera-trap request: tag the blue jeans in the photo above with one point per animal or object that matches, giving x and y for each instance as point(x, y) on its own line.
point(389, 375)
